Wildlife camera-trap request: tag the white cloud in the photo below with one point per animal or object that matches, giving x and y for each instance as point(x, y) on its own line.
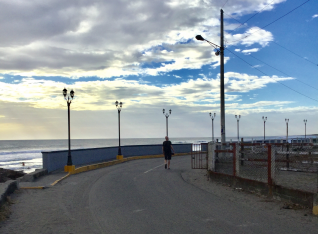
point(113, 38)
point(100, 95)
point(250, 51)
point(315, 16)
point(254, 35)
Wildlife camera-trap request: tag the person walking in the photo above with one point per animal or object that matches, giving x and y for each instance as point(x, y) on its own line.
point(166, 150)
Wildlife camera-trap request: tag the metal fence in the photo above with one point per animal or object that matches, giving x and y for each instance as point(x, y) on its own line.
point(293, 165)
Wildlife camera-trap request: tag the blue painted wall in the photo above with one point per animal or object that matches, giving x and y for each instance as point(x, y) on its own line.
point(54, 160)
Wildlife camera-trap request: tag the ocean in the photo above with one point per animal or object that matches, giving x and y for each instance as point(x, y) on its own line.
point(26, 155)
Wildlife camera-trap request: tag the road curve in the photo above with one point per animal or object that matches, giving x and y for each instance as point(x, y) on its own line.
point(139, 197)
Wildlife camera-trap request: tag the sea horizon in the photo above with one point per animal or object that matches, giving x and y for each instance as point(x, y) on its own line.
point(26, 154)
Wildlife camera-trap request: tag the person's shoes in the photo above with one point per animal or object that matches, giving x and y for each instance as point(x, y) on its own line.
point(165, 166)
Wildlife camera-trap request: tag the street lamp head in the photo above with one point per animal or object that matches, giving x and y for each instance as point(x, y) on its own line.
point(64, 92)
point(163, 111)
point(214, 114)
point(210, 114)
point(116, 103)
point(170, 111)
point(217, 53)
point(120, 104)
point(286, 120)
point(239, 116)
point(235, 116)
point(72, 93)
point(199, 37)
point(305, 120)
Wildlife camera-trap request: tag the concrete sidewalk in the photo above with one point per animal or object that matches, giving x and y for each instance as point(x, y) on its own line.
point(38, 179)
point(43, 181)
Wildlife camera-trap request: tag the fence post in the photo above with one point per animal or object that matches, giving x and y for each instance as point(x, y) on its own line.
point(273, 170)
point(287, 156)
point(269, 169)
point(237, 154)
point(234, 160)
point(242, 150)
point(217, 154)
point(211, 156)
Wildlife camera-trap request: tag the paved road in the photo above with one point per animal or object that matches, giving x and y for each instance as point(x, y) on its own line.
point(142, 197)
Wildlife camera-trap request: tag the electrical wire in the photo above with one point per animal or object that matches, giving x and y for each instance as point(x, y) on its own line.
point(282, 72)
point(272, 22)
point(296, 54)
point(232, 18)
point(271, 77)
point(253, 15)
point(224, 3)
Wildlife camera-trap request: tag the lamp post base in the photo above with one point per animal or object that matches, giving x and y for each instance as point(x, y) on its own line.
point(120, 157)
point(69, 168)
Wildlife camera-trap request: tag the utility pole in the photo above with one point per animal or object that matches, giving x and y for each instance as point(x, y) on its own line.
point(220, 51)
point(223, 139)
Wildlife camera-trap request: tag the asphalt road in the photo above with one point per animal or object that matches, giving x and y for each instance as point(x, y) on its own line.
point(141, 197)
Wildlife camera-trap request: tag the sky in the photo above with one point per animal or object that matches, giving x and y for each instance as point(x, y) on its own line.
point(144, 54)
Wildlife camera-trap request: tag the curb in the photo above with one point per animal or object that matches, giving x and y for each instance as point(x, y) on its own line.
point(6, 189)
point(114, 162)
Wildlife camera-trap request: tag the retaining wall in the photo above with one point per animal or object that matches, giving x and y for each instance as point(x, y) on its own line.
point(54, 160)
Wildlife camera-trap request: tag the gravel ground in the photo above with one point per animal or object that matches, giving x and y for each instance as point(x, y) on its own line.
point(27, 203)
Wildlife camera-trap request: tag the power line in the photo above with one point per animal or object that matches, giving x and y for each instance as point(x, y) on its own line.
point(224, 3)
point(296, 54)
point(253, 15)
point(272, 21)
point(232, 18)
point(272, 77)
point(282, 72)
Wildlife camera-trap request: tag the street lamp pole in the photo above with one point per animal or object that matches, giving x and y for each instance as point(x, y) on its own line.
point(264, 119)
point(220, 51)
point(119, 105)
point(305, 121)
point(286, 120)
point(167, 116)
point(212, 117)
point(69, 97)
point(238, 128)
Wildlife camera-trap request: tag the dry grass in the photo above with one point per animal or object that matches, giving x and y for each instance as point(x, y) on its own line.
point(5, 209)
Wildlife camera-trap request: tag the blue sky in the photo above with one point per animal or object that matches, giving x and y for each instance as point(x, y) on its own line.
point(144, 53)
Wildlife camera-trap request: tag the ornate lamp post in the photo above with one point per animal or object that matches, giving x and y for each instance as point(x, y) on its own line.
point(167, 116)
point(238, 128)
point(305, 121)
point(286, 120)
point(212, 117)
point(264, 119)
point(287, 155)
point(119, 105)
point(69, 166)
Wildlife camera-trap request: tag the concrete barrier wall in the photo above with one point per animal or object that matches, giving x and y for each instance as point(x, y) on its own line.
point(54, 160)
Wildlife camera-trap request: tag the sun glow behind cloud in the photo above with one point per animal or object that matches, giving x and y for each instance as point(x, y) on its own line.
point(142, 53)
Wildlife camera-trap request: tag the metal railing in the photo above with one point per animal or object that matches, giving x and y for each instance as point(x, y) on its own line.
point(293, 165)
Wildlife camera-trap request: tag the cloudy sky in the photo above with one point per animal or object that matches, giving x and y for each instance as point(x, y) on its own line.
point(144, 53)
